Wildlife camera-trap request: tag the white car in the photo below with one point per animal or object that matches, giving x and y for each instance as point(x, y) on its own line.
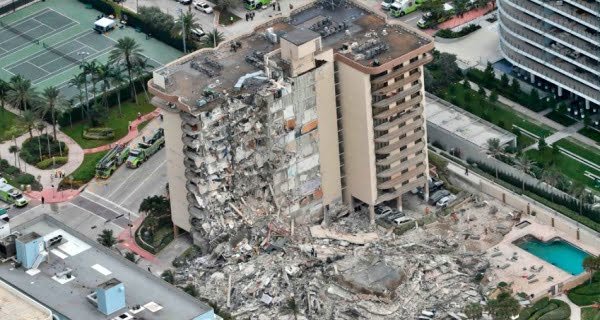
point(185, 2)
point(445, 201)
point(203, 6)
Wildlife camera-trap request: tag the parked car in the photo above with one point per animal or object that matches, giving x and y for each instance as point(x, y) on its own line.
point(445, 201)
point(198, 33)
point(438, 195)
point(203, 6)
point(186, 2)
point(401, 220)
point(382, 210)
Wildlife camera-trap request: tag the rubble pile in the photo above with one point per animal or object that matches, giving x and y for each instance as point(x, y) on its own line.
point(347, 270)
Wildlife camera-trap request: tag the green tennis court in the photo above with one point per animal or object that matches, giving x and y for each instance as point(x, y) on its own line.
point(47, 41)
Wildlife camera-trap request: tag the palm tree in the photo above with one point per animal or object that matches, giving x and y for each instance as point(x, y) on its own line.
point(494, 149)
point(129, 53)
point(116, 81)
point(90, 70)
point(79, 81)
point(578, 192)
point(526, 165)
point(103, 73)
point(53, 101)
point(551, 177)
point(14, 150)
point(21, 94)
point(213, 38)
point(591, 264)
point(140, 71)
point(40, 126)
point(30, 118)
point(4, 87)
point(186, 22)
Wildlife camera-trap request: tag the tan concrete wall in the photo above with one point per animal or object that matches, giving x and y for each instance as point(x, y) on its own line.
point(176, 170)
point(328, 136)
point(357, 125)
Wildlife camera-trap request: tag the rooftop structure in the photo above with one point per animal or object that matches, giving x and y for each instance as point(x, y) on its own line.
point(77, 267)
point(556, 41)
point(302, 116)
point(17, 306)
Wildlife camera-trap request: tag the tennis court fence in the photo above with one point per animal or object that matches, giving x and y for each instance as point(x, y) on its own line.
point(13, 5)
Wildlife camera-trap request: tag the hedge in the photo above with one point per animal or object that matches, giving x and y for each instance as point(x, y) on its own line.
point(31, 148)
point(100, 133)
point(17, 178)
point(546, 310)
point(586, 293)
point(47, 163)
point(449, 34)
point(134, 20)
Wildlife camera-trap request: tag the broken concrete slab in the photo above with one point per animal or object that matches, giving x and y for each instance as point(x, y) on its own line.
point(362, 238)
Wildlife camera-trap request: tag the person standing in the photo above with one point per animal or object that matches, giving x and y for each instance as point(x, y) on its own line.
point(43, 200)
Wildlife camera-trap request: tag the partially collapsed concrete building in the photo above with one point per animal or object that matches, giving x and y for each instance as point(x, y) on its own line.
point(307, 112)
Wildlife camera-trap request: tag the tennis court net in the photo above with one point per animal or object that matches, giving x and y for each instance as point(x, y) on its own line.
point(53, 49)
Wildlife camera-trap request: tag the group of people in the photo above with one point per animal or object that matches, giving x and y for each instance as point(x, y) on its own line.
point(250, 16)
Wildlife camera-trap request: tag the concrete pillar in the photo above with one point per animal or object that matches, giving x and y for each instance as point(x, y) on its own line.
point(372, 214)
point(560, 91)
point(532, 78)
point(426, 191)
point(587, 104)
point(175, 231)
point(399, 203)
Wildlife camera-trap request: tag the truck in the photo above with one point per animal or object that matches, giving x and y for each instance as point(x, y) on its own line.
point(430, 20)
point(403, 7)
point(12, 195)
point(256, 4)
point(111, 161)
point(145, 149)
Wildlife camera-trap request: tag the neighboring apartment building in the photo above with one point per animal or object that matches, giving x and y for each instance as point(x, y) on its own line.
point(305, 113)
point(558, 41)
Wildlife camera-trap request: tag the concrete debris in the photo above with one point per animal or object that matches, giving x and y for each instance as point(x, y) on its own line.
point(349, 269)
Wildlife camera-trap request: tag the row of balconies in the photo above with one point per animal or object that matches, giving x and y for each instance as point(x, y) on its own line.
point(190, 119)
point(401, 181)
point(401, 154)
point(401, 95)
point(386, 196)
point(556, 19)
point(402, 142)
point(592, 7)
point(398, 108)
point(418, 123)
point(539, 41)
point(571, 12)
point(508, 13)
point(394, 170)
point(550, 61)
point(378, 81)
point(549, 74)
point(412, 113)
point(398, 84)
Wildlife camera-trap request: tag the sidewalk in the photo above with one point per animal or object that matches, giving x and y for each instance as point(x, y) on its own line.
point(126, 241)
point(133, 132)
point(459, 21)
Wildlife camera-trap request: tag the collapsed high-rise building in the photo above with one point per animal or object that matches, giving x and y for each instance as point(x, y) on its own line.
point(308, 112)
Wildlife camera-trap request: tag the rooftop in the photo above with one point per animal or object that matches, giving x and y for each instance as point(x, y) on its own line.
point(93, 265)
point(16, 306)
point(358, 37)
point(464, 124)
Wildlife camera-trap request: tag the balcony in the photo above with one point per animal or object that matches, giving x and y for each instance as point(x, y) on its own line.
point(553, 62)
point(549, 74)
point(398, 96)
point(403, 153)
point(508, 13)
point(396, 122)
point(399, 108)
point(190, 119)
point(400, 131)
point(555, 19)
point(398, 84)
point(190, 130)
point(197, 212)
point(402, 166)
point(557, 50)
point(386, 196)
point(401, 181)
point(592, 7)
point(396, 73)
point(571, 12)
point(400, 143)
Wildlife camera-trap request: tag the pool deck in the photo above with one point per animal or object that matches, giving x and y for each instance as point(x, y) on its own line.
point(515, 274)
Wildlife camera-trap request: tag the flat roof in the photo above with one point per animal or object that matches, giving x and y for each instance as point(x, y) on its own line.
point(464, 124)
point(16, 306)
point(92, 265)
point(349, 25)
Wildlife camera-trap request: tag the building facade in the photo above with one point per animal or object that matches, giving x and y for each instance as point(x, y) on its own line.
point(557, 41)
point(307, 113)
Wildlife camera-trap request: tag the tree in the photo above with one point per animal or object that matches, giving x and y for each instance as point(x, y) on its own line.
point(155, 205)
point(551, 177)
point(21, 94)
point(481, 91)
point(493, 96)
point(130, 256)
point(14, 150)
point(191, 290)
point(466, 85)
point(503, 307)
point(127, 52)
point(116, 81)
point(103, 74)
point(40, 126)
point(184, 25)
point(52, 101)
point(542, 143)
point(489, 75)
point(578, 191)
point(225, 5)
point(526, 165)
point(494, 150)
point(30, 118)
point(213, 38)
point(4, 87)
point(106, 238)
point(141, 70)
point(89, 69)
point(79, 81)
point(504, 81)
point(167, 275)
point(474, 311)
point(159, 19)
point(534, 97)
point(515, 86)
point(591, 264)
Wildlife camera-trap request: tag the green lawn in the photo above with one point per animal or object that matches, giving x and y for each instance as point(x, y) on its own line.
point(590, 314)
point(582, 151)
point(566, 165)
point(561, 118)
point(497, 113)
point(85, 172)
point(11, 125)
point(586, 293)
point(547, 309)
point(524, 141)
point(115, 120)
point(225, 18)
point(591, 133)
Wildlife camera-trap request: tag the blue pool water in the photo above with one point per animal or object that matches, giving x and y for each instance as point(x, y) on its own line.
point(557, 252)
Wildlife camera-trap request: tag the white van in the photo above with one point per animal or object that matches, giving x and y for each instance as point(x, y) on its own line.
point(197, 33)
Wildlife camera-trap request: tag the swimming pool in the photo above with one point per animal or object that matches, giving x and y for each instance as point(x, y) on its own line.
point(556, 251)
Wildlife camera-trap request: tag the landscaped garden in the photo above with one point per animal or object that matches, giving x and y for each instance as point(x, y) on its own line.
point(546, 309)
point(116, 119)
point(84, 173)
point(16, 177)
point(591, 133)
point(590, 313)
point(561, 118)
point(44, 152)
point(580, 150)
point(587, 293)
point(156, 231)
point(11, 125)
